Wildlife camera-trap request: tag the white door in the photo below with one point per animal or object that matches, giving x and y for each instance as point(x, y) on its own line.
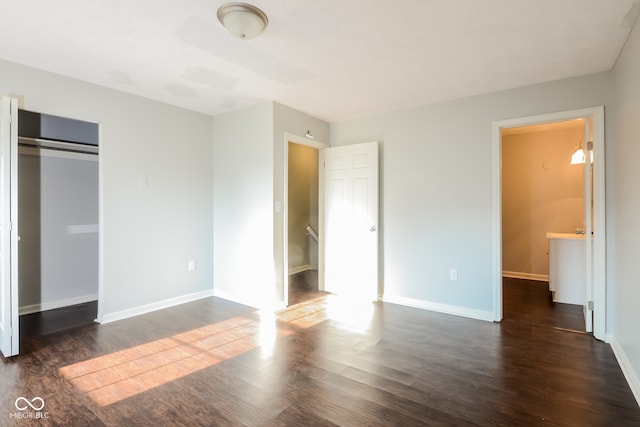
point(9, 333)
point(351, 220)
point(588, 227)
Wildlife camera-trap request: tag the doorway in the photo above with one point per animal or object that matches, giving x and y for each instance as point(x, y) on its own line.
point(302, 224)
point(591, 179)
point(542, 197)
point(302, 213)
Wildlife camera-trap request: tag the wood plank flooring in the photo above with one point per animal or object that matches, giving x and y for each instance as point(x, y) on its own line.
point(530, 301)
point(56, 320)
point(303, 286)
point(324, 362)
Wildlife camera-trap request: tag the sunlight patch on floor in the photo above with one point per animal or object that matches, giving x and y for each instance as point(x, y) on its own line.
point(113, 377)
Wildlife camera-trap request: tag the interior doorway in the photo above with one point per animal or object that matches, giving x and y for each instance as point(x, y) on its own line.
point(302, 209)
point(542, 196)
point(571, 214)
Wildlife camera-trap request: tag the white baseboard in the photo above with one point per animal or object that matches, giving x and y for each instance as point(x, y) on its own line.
point(296, 270)
point(625, 364)
point(52, 305)
point(441, 308)
point(526, 276)
point(147, 308)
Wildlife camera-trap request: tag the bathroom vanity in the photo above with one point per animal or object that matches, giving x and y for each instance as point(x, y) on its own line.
point(567, 267)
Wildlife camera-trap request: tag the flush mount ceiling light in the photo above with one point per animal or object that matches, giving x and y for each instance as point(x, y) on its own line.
point(242, 20)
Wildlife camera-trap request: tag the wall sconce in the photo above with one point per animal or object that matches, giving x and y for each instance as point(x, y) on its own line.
point(307, 133)
point(578, 158)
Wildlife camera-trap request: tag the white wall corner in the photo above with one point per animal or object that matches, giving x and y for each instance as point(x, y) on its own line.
point(628, 371)
point(441, 308)
point(148, 308)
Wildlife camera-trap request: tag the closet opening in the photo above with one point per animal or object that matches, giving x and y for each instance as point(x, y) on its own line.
point(58, 211)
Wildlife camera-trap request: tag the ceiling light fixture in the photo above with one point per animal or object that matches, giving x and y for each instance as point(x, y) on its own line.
point(243, 20)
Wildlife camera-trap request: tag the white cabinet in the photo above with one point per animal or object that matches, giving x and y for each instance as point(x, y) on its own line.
point(567, 267)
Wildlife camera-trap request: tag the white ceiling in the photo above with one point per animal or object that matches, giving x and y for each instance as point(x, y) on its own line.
point(333, 59)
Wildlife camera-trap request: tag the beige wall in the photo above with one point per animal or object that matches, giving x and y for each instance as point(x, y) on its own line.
point(303, 204)
point(541, 192)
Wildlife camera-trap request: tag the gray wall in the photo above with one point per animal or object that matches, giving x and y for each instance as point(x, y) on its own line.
point(623, 210)
point(243, 206)
point(248, 168)
point(150, 232)
point(437, 187)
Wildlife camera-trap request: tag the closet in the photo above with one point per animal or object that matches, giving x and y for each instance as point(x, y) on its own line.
point(58, 205)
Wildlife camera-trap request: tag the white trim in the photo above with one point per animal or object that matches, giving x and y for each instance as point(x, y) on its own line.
point(101, 168)
point(599, 264)
point(526, 276)
point(296, 270)
point(148, 308)
point(440, 308)
point(52, 305)
point(627, 367)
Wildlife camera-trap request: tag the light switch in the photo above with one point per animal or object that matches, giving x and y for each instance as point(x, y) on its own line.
point(143, 182)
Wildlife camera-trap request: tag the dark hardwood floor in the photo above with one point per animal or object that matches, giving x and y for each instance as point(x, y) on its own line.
point(49, 321)
point(323, 362)
point(303, 286)
point(530, 301)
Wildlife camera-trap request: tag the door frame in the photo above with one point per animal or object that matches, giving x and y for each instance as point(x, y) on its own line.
point(318, 145)
point(99, 314)
point(10, 300)
point(599, 205)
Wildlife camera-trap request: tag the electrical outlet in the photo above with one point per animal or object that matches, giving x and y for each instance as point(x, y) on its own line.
point(453, 274)
point(191, 265)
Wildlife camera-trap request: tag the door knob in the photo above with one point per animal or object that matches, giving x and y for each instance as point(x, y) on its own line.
point(373, 228)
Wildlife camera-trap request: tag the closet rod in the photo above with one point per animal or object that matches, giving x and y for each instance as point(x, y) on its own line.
point(50, 144)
